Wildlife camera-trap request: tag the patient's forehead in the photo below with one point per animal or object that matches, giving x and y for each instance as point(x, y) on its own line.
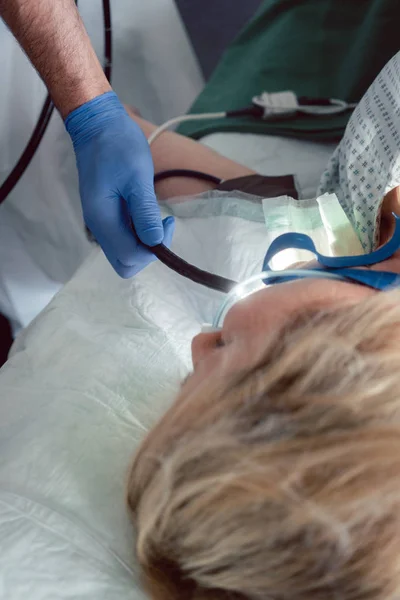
point(271, 307)
point(277, 301)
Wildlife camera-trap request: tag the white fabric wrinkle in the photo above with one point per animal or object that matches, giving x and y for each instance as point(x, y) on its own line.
point(70, 522)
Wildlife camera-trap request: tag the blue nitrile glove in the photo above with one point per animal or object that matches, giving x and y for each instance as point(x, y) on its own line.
point(116, 183)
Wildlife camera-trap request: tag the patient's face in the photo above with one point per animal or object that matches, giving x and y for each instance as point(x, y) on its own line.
point(250, 319)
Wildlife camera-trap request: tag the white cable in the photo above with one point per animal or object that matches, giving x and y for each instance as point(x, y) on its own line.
point(285, 103)
point(336, 106)
point(181, 119)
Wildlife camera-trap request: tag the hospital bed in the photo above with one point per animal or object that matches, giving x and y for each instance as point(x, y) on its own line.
point(94, 371)
point(96, 368)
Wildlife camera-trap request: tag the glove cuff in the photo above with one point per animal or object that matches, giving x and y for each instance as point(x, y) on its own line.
point(89, 119)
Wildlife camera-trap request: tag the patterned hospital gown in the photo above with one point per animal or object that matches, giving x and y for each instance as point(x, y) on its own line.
point(366, 164)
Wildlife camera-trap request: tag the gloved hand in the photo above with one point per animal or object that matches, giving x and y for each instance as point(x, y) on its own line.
point(116, 183)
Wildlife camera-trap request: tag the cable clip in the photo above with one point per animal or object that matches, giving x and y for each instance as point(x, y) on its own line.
point(278, 103)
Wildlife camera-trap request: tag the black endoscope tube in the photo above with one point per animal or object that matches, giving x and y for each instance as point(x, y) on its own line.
point(30, 149)
point(107, 39)
point(177, 264)
point(189, 173)
point(47, 111)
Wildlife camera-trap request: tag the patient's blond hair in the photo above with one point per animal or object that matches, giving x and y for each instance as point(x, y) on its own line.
point(281, 482)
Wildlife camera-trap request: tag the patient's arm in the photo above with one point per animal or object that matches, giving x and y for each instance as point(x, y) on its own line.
point(174, 151)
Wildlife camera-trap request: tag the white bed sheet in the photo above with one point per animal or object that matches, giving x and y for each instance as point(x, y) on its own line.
point(85, 382)
point(91, 375)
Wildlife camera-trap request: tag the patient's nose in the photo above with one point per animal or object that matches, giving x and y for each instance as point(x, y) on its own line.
point(203, 345)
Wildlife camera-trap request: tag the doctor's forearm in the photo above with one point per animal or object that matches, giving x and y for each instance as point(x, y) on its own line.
point(52, 34)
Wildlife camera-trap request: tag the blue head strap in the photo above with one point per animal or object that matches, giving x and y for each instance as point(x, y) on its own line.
point(343, 265)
